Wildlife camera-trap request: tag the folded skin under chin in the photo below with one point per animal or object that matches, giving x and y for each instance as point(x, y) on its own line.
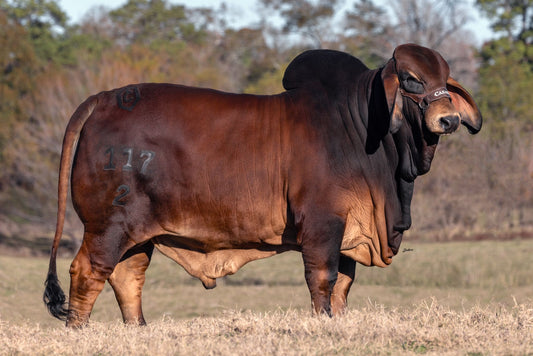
point(369, 230)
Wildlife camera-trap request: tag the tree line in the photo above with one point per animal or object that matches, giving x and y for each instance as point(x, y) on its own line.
point(480, 185)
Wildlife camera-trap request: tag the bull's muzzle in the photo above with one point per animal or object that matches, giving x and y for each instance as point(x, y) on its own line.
point(449, 123)
point(441, 117)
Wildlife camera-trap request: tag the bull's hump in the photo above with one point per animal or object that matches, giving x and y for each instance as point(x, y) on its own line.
point(330, 68)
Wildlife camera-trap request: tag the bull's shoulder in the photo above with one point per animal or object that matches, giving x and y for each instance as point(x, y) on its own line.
point(329, 68)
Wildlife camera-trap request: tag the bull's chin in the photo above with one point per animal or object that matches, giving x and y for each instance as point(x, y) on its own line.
point(430, 137)
point(440, 132)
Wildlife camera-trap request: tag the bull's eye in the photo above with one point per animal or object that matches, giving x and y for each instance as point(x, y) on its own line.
point(411, 84)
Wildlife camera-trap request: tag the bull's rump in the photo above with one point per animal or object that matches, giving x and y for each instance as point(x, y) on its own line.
point(197, 164)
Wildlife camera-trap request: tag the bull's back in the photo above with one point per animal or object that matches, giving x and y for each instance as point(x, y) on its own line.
point(191, 162)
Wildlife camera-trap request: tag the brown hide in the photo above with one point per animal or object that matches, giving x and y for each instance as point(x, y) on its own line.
point(215, 180)
point(230, 181)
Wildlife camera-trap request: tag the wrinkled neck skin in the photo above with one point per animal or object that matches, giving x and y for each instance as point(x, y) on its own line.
point(367, 123)
point(402, 148)
point(416, 147)
point(415, 144)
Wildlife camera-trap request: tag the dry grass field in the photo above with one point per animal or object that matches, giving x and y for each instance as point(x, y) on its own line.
point(427, 329)
point(461, 298)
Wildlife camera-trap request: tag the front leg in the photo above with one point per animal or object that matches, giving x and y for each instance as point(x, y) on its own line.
point(342, 287)
point(321, 241)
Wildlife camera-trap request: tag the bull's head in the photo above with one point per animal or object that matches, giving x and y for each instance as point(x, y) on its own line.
point(424, 102)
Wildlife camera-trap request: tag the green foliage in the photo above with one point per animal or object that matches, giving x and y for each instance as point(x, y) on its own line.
point(268, 83)
point(512, 17)
point(366, 27)
point(307, 18)
point(506, 83)
point(45, 24)
point(155, 23)
point(506, 72)
point(17, 67)
point(301, 14)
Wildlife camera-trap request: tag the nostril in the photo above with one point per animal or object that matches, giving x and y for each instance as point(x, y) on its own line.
point(449, 123)
point(445, 123)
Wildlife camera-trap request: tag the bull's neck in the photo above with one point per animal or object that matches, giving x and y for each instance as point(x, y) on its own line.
point(364, 94)
point(366, 91)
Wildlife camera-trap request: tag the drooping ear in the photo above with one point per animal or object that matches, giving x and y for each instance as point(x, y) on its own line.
point(465, 105)
point(391, 85)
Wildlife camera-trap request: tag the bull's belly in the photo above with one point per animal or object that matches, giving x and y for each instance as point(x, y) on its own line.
point(215, 263)
point(210, 246)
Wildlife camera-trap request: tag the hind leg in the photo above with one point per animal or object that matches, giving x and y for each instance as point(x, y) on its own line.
point(127, 281)
point(94, 263)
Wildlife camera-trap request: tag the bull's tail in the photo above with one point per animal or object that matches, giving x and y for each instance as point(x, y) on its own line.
point(53, 296)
